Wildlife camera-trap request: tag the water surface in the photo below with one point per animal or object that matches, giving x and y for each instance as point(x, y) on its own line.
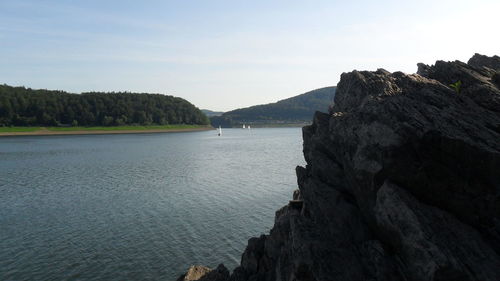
point(141, 206)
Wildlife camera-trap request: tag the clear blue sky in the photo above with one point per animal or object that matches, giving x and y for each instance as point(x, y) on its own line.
point(222, 55)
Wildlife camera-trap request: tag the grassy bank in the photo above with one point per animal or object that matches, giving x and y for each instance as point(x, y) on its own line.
point(12, 131)
point(18, 129)
point(121, 128)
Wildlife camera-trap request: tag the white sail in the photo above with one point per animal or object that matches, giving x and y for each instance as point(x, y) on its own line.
point(243, 126)
point(220, 131)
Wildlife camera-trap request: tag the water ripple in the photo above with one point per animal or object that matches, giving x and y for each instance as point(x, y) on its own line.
point(138, 207)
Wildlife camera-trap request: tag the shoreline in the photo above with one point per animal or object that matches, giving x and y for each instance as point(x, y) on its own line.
point(100, 132)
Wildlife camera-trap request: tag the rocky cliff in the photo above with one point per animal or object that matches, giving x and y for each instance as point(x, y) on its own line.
point(402, 182)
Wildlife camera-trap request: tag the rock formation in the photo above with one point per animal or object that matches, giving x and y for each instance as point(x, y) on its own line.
point(203, 273)
point(402, 183)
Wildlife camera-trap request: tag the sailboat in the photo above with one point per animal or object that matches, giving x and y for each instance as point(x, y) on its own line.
point(248, 127)
point(243, 126)
point(220, 131)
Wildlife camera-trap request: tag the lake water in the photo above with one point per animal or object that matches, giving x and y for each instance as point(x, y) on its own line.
point(139, 206)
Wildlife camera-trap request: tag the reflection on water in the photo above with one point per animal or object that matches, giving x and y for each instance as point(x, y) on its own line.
point(142, 207)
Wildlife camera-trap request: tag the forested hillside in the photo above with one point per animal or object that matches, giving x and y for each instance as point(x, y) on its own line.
point(20, 106)
point(211, 113)
point(296, 109)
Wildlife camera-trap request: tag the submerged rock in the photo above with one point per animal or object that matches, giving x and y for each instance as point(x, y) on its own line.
point(402, 182)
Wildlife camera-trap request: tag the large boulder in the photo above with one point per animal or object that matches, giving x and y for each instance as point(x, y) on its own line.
point(402, 182)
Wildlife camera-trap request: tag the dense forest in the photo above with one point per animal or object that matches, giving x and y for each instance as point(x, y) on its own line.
point(296, 109)
point(20, 106)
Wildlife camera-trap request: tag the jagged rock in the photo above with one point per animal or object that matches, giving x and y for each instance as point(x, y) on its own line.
point(296, 204)
point(402, 182)
point(203, 273)
point(478, 81)
point(479, 61)
point(195, 272)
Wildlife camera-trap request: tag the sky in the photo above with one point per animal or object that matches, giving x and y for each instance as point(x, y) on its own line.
point(223, 55)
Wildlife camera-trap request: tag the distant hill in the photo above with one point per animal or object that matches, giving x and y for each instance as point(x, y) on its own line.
point(294, 110)
point(20, 106)
point(211, 113)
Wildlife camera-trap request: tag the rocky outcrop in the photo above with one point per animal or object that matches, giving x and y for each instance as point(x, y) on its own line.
point(480, 61)
point(203, 273)
point(402, 182)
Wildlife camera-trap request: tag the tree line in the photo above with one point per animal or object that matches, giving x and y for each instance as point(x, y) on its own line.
point(20, 106)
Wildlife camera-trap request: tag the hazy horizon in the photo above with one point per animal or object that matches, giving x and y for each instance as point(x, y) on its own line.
point(223, 55)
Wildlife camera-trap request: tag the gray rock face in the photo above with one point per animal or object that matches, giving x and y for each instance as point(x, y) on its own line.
point(402, 183)
point(480, 61)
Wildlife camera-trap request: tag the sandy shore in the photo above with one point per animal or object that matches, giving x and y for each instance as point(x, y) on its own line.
point(100, 132)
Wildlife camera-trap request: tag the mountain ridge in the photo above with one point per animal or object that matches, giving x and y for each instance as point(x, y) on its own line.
point(294, 110)
point(210, 113)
